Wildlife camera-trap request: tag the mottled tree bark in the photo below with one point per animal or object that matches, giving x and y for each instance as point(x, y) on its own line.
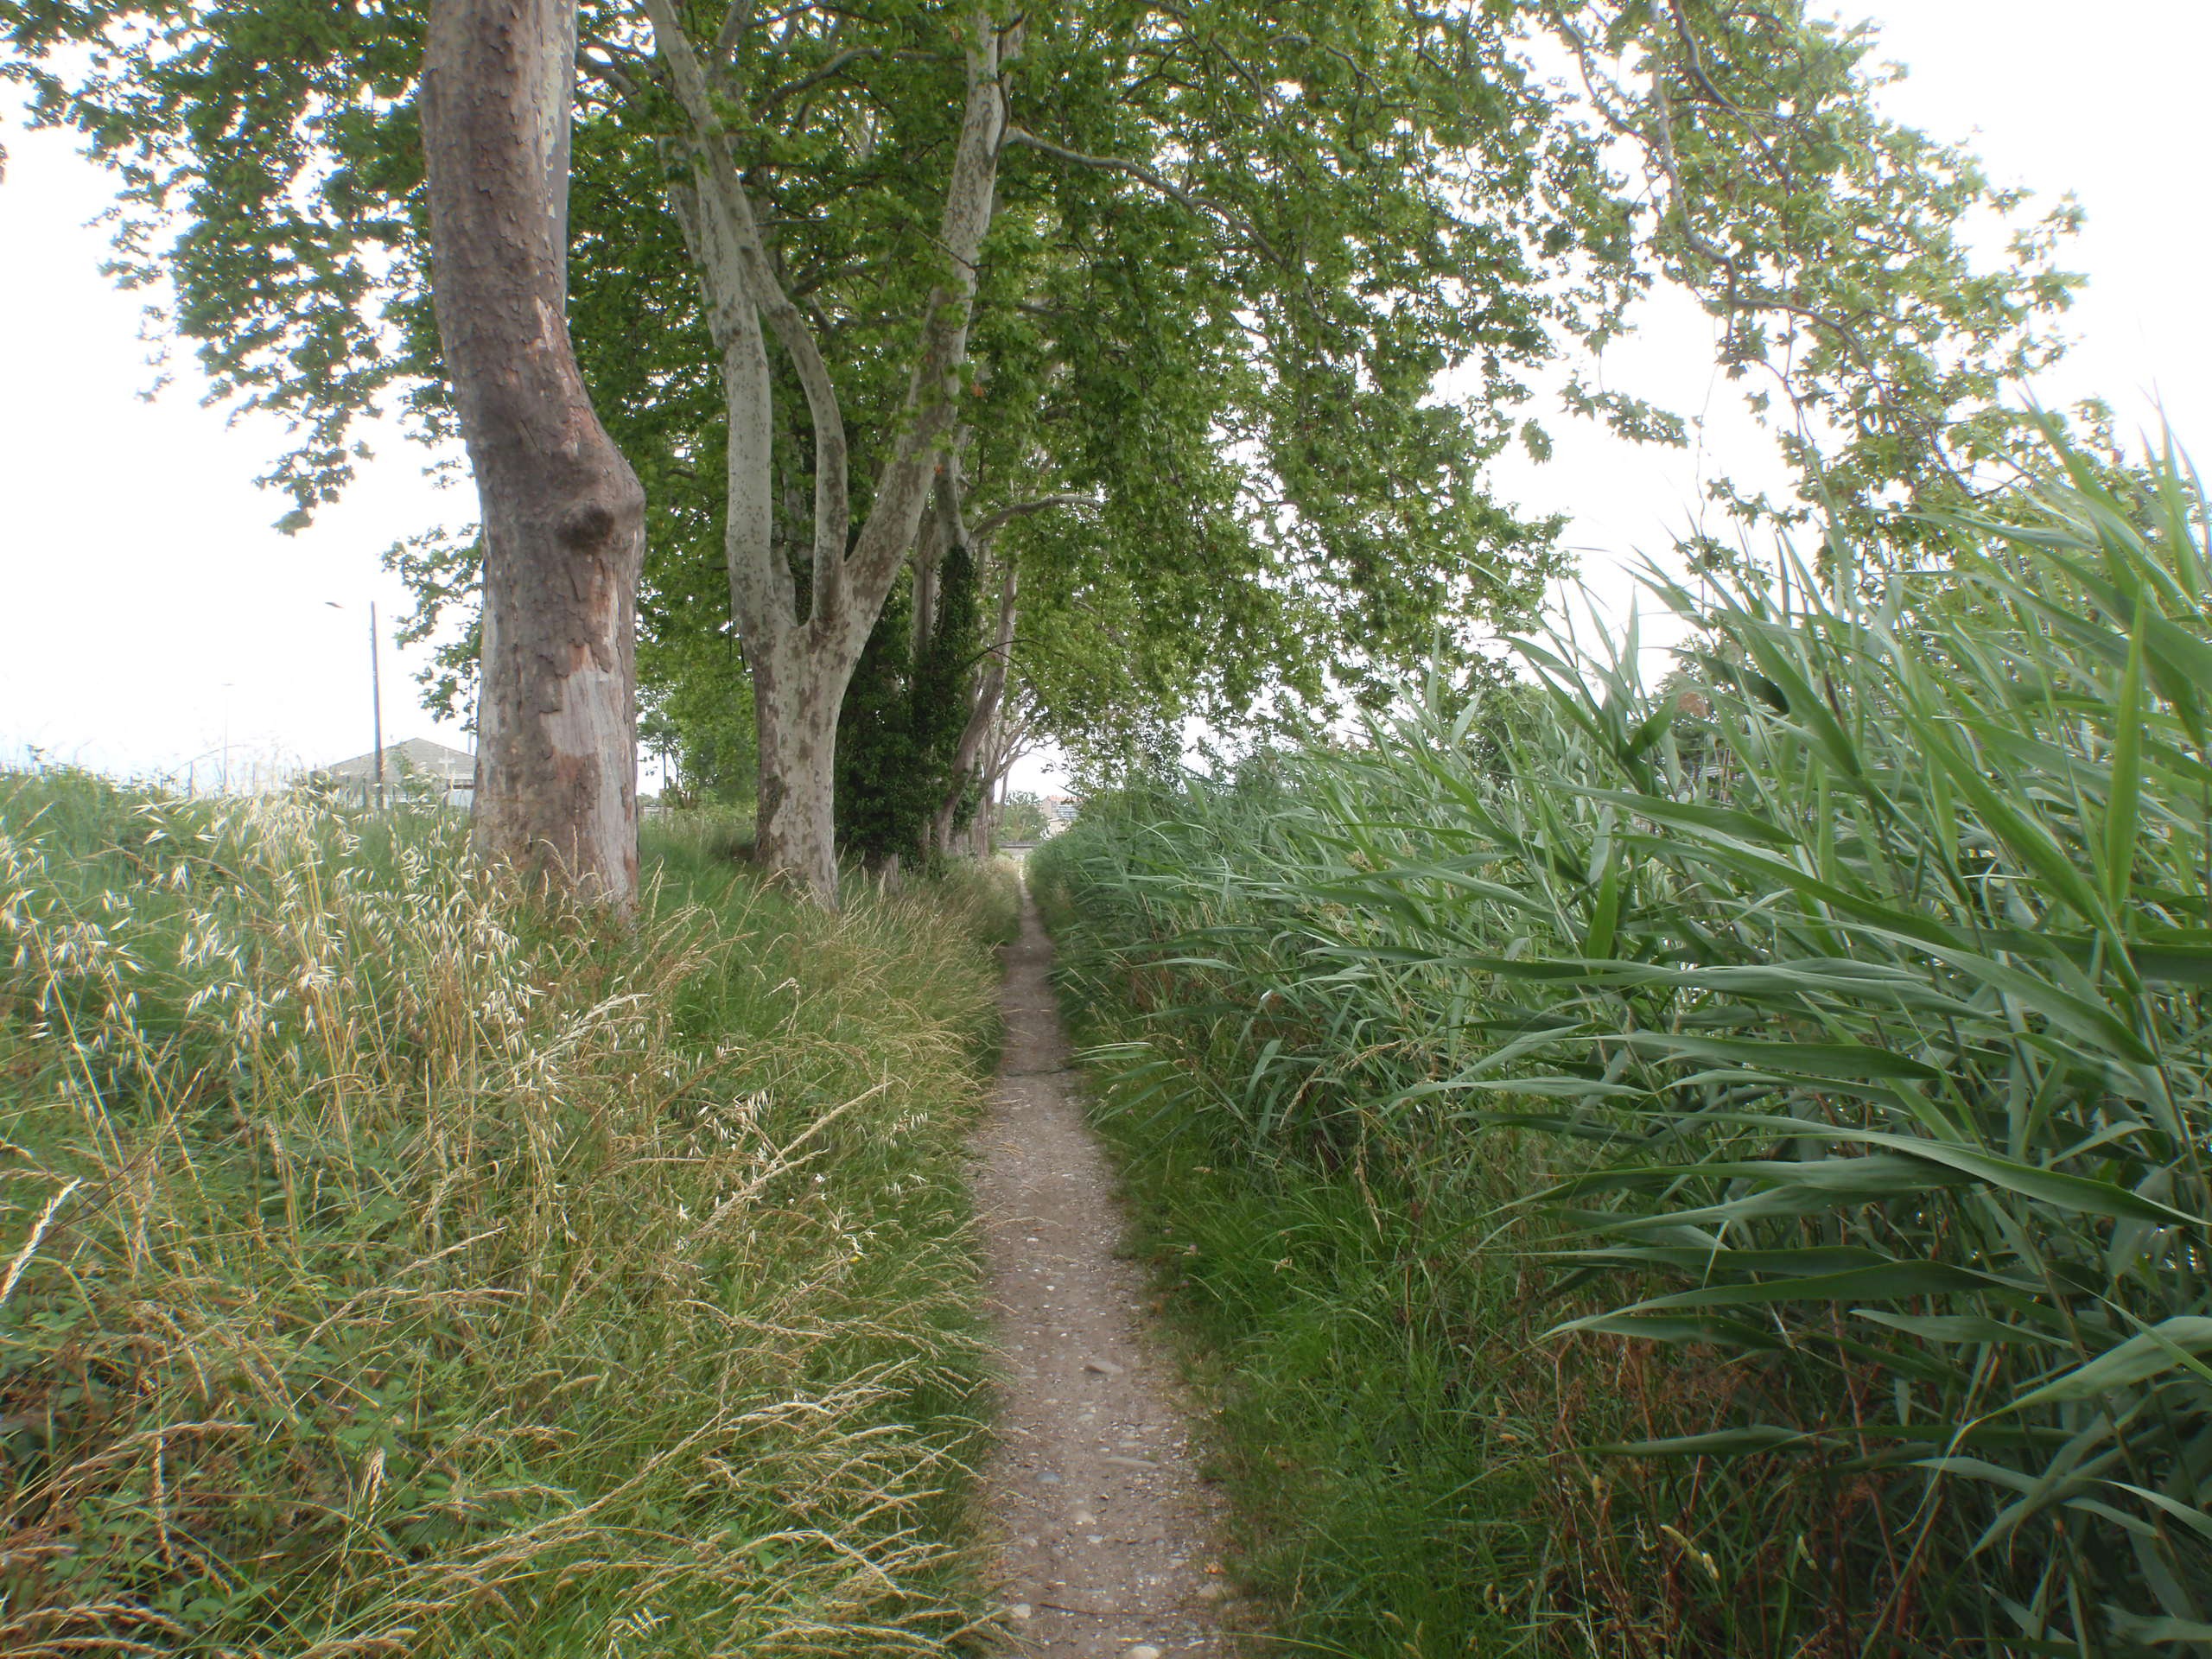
point(556, 768)
point(802, 663)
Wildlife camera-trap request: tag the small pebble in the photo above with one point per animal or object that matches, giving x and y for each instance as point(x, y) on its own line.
point(1142, 1650)
point(1019, 1610)
point(1103, 1367)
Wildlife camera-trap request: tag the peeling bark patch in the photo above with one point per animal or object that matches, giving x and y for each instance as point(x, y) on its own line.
point(1106, 1530)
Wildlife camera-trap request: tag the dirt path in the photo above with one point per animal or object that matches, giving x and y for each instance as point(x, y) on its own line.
point(1108, 1528)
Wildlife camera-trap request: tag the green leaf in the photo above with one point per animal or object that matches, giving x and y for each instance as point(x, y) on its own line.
point(1736, 1333)
point(1597, 939)
point(1723, 820)
point(2125, 804)
point(1808, 1260)
point(1955, 1327)
point(2076, 1192)
point(2027, 839)
point(1891, 1281)
point(2163, 1629)
point(2169, 1345)
point(1725, 1442)
point(1841, 1061)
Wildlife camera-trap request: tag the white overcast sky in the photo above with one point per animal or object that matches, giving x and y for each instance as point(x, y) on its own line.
point(148, 610)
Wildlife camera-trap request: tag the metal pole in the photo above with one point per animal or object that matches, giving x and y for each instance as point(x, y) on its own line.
point(376, 701)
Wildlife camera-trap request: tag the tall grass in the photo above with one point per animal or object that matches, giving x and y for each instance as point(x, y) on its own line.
point(389, 1265)
point(1846, 1000)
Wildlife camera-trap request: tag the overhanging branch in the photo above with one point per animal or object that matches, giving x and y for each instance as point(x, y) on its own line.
point(725, 193)
point(994, 522)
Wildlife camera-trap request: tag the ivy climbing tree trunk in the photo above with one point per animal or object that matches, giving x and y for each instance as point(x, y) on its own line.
point(991, 688)
point(970, 762)
point(563, 515)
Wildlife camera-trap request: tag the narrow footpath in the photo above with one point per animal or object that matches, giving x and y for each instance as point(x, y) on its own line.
point(1107, 1527)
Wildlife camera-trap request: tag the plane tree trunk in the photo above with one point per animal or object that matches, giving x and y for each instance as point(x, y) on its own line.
point(803, 663)
point(557, 783)
point(1006, 741)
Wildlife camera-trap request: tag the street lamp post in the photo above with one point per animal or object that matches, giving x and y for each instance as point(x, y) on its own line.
point(376, 696)
point(376, 701)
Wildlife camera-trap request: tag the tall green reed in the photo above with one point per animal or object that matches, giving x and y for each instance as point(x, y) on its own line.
point(1853, 983)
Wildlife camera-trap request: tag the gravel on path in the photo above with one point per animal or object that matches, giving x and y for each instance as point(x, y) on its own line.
point(1107, 1529)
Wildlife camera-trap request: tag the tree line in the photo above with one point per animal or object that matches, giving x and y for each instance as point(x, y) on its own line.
point(878, 388)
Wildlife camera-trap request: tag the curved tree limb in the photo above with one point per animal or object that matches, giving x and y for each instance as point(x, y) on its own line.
point(725, 194)
point(1143, 175)
point(760, 585)
point(928, 407)
point(994, 522)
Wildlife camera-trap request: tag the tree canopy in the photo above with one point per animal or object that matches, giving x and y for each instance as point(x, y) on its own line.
point(1269, 285)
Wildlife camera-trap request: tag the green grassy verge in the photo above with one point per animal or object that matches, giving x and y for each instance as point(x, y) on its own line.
point(1410, 1462)
point(389, 1266)
point(1357, 1362)
point(1405, 1459)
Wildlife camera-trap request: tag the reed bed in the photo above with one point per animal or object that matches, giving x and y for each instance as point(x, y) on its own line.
point(390, 1264)
point(1826, 1020)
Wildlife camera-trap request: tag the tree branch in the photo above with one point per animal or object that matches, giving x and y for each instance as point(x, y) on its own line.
point(927, 410)
point(725, 193)
point(760, 586)
point(608, 66)
point(994, 522)
point(1166, 186)
point(791, 88)
point(990, 692)
point(735, 22)
point(1109, 164)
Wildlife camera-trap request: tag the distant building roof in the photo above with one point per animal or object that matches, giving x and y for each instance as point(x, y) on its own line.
point(414, 757)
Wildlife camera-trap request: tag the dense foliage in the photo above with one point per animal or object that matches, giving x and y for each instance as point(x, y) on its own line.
point(1271, 286)
point(903, 715)
point(389, 1265)
point(1847, 993)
